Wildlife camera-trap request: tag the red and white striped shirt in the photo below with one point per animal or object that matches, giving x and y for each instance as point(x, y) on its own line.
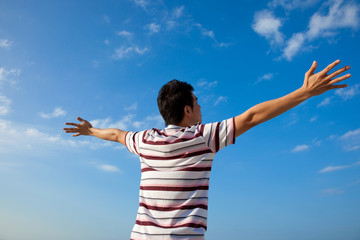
point(175, 171)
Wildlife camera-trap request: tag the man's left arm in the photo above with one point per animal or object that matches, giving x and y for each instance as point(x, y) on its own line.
point(314, 84)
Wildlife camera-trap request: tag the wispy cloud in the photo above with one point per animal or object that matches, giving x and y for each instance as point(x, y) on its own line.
point(124, 33)
point(132, 107)
point(142, 3)
point(265, 77)
point(220, 99)
point(107, 19)
point(5, 43)
point(7, 76)
point(57, 112)
point(333, 168)
point(313, 119)
point(267, 25)
point(4, 105)
point(325, 102)
point(108, 168)
point(350, 134)
point(210, 34)
point(351, 148)
point(292, 4)
point(333, 191)
point(128, 122)
point(300, 148)
point(124, 52)
point(153, 27)
point(336, 168)
point(205, 84)
point(349, 92)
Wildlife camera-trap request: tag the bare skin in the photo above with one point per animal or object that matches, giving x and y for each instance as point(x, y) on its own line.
point(314, 84)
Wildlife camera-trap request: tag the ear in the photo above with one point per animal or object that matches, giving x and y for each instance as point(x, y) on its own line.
point(187, 110)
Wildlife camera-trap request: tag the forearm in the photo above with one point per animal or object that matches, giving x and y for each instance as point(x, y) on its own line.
point(110, 134)
point(265, 111)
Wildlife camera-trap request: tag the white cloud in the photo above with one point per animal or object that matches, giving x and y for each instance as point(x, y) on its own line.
point(57, 112)
point(265, 77)
point(7, 75)
point(339, 16)
point(108, 168)
point(349, 92)
point(106, 41)
point(351, 148)
point(132, 107)
point(142, 3)
point(178, 12)
point(209, 33)
point(293, 45)
point(292, 4)
point(336, 168)
point(267, 25)
point(300, 148)
point(333, 191)
point(350, 134)
point(313, 119)
point(153, 27)
point(5, 43)
point(220, 99)
point(122, 124)
point(124, 33)
point(325, 102)
point(205, 84)
point(4, 105)
point(124, 52)
point(141, 51)
point(332, 168)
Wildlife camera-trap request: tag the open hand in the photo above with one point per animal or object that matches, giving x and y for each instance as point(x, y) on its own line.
point(82, 128)
point(316, 84)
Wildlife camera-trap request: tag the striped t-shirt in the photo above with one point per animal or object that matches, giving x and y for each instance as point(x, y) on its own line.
point(175, 171)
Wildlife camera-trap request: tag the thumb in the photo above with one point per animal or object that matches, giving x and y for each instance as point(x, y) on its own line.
point(312, 68)
point(80, 119)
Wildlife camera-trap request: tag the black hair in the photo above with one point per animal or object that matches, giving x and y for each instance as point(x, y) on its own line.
point(172, 99)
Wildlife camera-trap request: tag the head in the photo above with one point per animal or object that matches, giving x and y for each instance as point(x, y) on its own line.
point(178, 105)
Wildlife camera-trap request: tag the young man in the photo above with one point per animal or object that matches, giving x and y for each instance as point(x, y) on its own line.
point(176, 161)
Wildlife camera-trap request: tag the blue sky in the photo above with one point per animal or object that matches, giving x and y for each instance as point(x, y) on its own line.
point(294, 177)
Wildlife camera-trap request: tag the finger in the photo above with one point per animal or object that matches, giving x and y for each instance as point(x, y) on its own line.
point(312, 69)
point(339, 79)
point(334, 74)
point(72, 124)
point(75, 135)
point(329, 67)
point(70, 129)
point(338, 86)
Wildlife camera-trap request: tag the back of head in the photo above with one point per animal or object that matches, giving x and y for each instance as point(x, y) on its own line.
point(172, 99)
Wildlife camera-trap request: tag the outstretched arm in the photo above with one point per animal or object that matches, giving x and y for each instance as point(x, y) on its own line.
point(85, 128)
point(314, 84)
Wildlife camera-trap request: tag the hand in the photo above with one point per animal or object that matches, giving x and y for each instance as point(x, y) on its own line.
point(82, 128)
point(316, 84)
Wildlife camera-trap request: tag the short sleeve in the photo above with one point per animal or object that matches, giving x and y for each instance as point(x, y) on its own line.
point(218, 135)
point(132, 140)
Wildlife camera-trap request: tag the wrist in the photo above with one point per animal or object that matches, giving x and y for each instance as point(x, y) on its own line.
point(303, 93)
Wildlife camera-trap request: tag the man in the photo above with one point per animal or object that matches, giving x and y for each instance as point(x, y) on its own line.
point(176, 161)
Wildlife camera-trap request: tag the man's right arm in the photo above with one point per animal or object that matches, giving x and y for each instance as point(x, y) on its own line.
point(85, 128)
point(314, 84)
